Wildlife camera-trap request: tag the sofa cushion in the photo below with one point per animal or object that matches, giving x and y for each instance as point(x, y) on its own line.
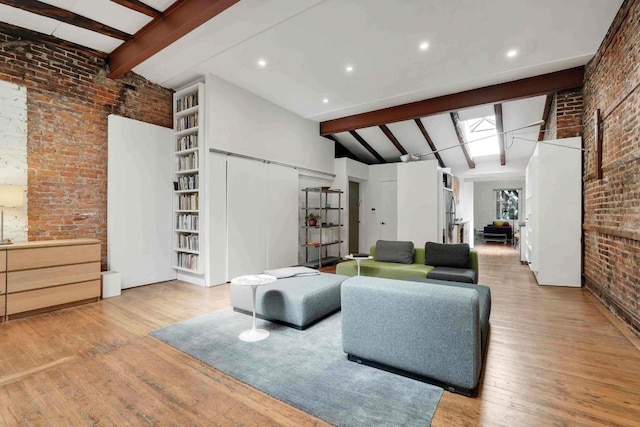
point(447, 255)
point(394, 251)
point(465, 275)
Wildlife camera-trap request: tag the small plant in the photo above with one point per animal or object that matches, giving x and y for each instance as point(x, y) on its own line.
point(312, 219)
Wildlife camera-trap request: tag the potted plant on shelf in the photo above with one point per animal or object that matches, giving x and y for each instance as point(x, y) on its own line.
point(312, 219)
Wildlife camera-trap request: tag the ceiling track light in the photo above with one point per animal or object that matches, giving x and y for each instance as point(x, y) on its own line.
point(414, 157)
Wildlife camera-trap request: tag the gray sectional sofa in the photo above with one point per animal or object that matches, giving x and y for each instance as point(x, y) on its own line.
point(430, 330)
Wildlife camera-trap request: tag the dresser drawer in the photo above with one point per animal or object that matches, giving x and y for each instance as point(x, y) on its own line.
point(41, 298)
point(3, 285)
point(3, 261)
point(25, 280)
point(23, 259)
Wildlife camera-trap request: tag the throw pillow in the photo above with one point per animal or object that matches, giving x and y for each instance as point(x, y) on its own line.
point(282, 273)
point(394, 251)
point(498, 223)
point(447, 255)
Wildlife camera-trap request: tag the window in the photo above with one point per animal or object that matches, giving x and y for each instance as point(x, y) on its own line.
point(507, 204)
point(483, 136)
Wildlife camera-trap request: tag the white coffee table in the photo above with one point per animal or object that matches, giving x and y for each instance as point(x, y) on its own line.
point(254, 281)
point(358, 259)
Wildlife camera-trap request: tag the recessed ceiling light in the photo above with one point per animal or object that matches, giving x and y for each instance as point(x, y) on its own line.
point(512, 53)
point(262, 63)
point(349, 68)
point(424, 46)
point(325, 101)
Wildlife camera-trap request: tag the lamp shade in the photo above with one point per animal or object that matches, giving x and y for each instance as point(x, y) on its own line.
point(10, 195)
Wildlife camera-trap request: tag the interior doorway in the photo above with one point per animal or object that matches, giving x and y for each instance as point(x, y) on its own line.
point(388, 210)
point(354, 217)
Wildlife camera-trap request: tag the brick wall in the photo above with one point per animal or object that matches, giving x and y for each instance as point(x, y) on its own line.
point(612, 204)
point(68, 100)
point(565, 115)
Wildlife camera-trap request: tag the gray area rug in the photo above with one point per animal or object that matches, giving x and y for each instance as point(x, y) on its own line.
point(306, 369)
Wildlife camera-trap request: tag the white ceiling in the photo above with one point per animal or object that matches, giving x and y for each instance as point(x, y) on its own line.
point(308, 43)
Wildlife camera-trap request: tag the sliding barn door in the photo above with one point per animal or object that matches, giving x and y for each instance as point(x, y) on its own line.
point(247, 216)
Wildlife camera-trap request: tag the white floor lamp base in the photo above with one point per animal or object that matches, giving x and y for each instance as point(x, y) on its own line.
point(253, 335)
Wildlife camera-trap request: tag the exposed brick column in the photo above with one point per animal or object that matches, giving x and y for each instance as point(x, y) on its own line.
point(565, 117)
point(612, 204)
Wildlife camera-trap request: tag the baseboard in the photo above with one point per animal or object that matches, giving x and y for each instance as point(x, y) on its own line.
point(613, 307)
point(453, 389)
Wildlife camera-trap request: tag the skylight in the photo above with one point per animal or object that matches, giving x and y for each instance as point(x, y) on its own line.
point(482, 130)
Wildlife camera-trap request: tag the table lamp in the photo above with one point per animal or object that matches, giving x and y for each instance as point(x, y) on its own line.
point(10, 197)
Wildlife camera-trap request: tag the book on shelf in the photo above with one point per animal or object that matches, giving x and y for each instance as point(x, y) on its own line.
point(188, 202)
point(187, 142)
point(188, 182)
point(187, 122)
point(188, 261)
point(188, 222)
point(186, 102)
point(188, 162)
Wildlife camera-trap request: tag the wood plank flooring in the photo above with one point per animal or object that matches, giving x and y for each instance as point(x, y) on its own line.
point(555, 357)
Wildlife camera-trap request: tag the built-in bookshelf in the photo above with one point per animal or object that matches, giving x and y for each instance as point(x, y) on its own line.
point(188, 107)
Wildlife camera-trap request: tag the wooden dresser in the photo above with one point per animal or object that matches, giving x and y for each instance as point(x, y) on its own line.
point(3, 281)
point(46, 275)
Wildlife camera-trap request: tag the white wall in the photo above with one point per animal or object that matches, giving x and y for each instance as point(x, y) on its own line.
point(13, 155)
point(418, 192)
point(241, 122)
point(485, 201)
point(139, 208)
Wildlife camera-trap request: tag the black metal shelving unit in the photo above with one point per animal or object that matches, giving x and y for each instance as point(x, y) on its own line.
point(323, 205)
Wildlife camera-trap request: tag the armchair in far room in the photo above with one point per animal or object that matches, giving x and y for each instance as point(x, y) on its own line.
point(499, 228)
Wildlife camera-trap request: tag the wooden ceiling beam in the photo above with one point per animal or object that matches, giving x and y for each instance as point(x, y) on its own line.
point(517, 89)
point(456, 124)
point(366, 145)
point(36, 37)
point(427, 137)
point(138, 6)
point(393, 139)
point(497, 110)
point(63, 15)
point(178, 20)
point(545, 116)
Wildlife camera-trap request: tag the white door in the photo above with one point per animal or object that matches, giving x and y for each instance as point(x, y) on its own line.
point(140, 194)
point(388, 210)
point(282, 208)
point(247, 216)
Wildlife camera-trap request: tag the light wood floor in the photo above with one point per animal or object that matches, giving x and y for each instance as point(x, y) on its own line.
point(555, 357)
